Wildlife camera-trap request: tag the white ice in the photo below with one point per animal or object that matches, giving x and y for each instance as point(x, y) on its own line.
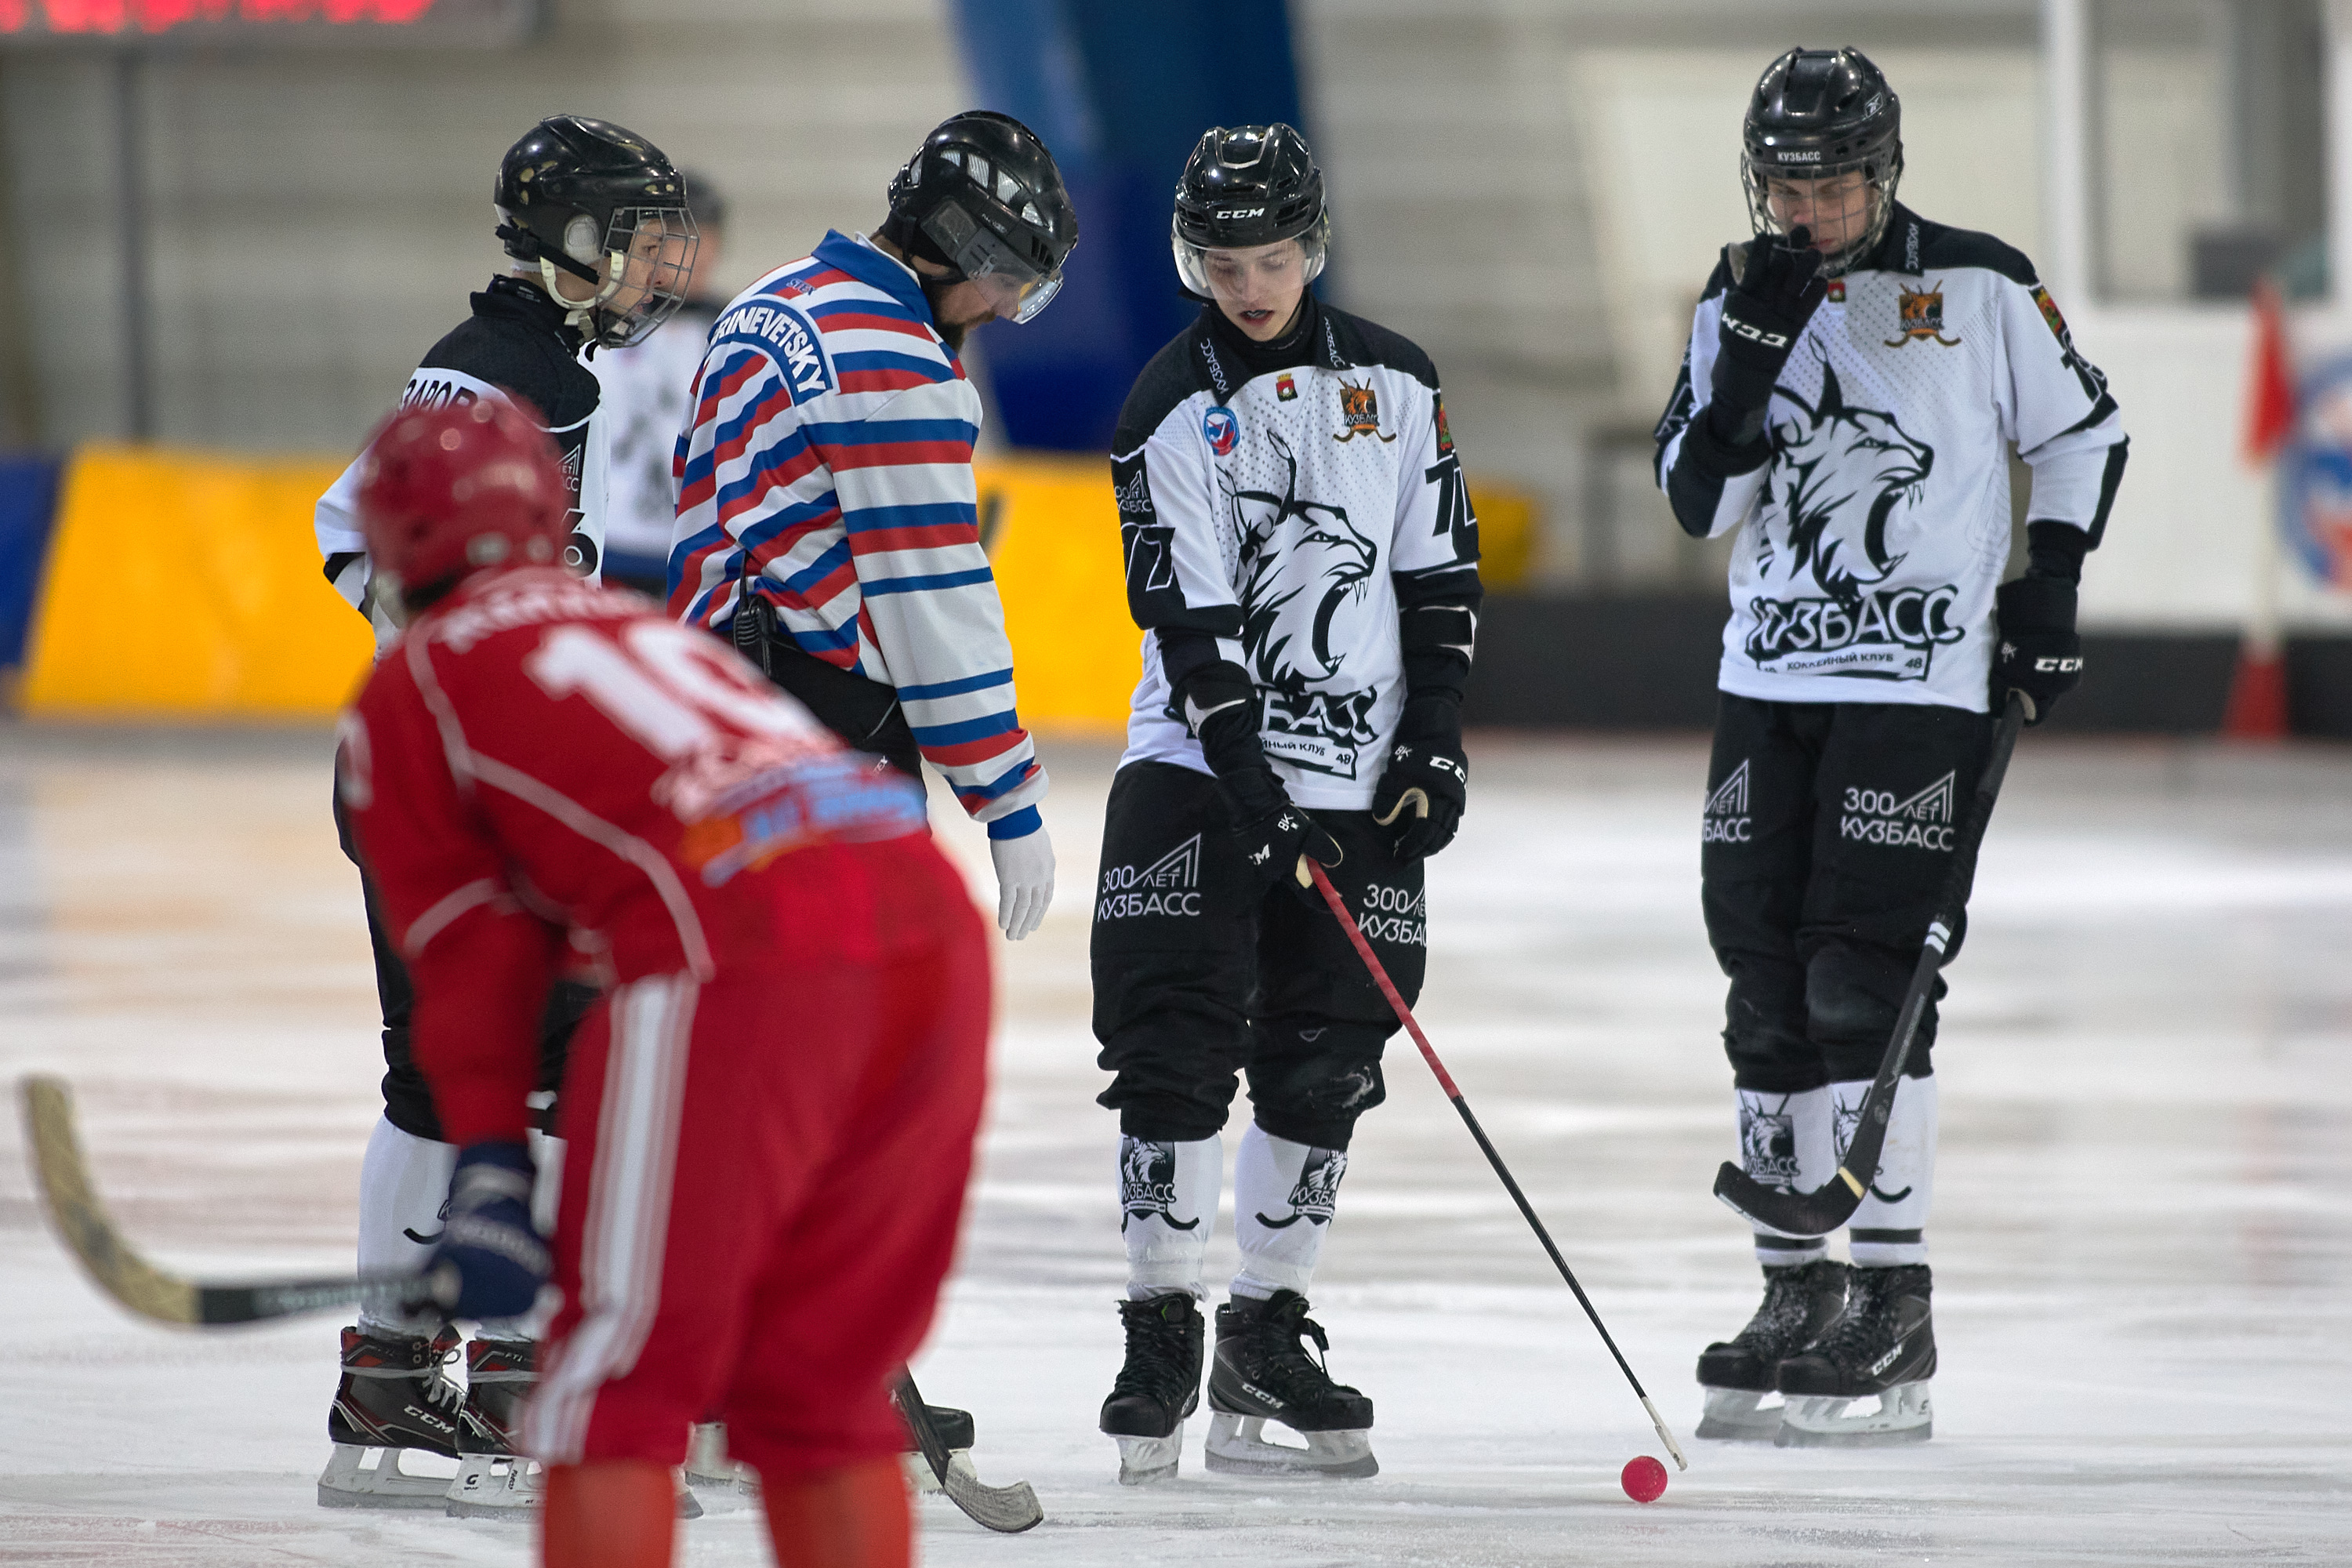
point(2143, 1243)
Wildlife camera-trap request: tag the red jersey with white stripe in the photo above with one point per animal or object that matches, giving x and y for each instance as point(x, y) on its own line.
point(542, 765)
point(828, 470)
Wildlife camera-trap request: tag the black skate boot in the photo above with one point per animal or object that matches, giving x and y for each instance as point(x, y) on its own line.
point(393, 1400)
point(1863, 1383)
point(1262, 1373)
point(1158, 1387)
point(1800, 1301)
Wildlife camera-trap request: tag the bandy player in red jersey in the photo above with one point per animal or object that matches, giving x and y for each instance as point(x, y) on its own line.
point(770, 1113)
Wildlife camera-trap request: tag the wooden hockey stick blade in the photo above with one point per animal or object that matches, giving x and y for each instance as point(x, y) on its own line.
point(90, 1234)
point(1008, 1510)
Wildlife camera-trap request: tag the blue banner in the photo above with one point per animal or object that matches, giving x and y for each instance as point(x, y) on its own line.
point(1120, 93)
point(28, 504)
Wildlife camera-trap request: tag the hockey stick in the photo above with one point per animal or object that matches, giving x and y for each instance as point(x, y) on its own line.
point(90, 1235)
point(1446, 1081)
point(1820, 1212)
point(1008, 1510)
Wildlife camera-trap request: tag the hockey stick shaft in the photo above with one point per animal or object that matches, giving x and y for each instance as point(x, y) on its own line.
point(1339, 908)
point(114, 1266)
point(1008, 1510)
point(1824, 1210)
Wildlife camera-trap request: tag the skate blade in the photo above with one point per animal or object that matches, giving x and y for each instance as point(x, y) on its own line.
point(509, 1487)
point(920, 1478)
point(1901, 1415)
point(1143, 1460)
point(495, 1485)
point(1740, 1415)
point(350, 1481)
point(709, 1470)
point(1237, 1446)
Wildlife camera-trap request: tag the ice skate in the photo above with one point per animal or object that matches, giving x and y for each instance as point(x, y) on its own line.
point(710, 1469)
point(1741, 1377)
point(1863, 1383)
point(1158, 1388)
point(391, 1407)
point(1262, 1373)
point(956, 1430)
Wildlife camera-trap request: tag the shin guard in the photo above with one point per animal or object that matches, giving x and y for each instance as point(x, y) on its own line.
point(1784, 1142)
point(1889, 1228)
point(850, 1518)
point(1168, 1198)
point(614, 1513)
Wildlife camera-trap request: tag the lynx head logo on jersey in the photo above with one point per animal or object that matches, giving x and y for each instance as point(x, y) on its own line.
point(1844, 475)
point(1921, 314)
point(1306, 575)
point(1359, 410)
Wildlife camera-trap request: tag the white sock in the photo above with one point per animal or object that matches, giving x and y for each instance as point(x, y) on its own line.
point(1890, 1226)
point(403, 1198)
point(1784, 1142)
point(1167, 1195)
point(1283, 1197)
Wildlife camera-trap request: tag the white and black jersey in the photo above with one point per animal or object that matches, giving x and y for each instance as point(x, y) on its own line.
point(1876, 513)
point(514, 345)
point(1281, 506)
point(648, 401)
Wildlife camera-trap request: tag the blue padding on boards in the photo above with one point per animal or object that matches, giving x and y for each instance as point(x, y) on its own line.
point(28, 504)
point(1120, 93)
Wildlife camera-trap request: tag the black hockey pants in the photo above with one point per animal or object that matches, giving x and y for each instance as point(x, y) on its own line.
point(1195, 979)
point(407, 1101)
point(1826, 837)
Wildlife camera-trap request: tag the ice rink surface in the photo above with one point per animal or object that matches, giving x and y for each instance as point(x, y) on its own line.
point(2143, 1238)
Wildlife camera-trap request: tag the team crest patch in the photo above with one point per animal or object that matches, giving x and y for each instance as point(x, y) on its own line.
point(1286, 387)
point(2050, 313)
point(1359, 409)
point(1837, 291)
point(1922, 316)
point(1444, 435)
point(1221, 430)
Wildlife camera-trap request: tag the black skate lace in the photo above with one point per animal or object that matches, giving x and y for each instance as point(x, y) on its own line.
point(1861, 1333)
point(1157, 1365)
point(1290, 1361)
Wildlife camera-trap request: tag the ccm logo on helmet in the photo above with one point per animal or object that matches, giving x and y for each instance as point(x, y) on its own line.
point(2058, 666)
point(1241, 212)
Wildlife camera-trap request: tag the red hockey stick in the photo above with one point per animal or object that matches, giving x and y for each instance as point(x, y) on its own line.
point(1446, 1081)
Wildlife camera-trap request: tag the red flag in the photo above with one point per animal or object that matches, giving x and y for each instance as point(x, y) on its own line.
point(2270, 389)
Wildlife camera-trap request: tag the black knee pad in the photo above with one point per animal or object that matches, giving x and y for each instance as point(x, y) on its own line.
point(1853, 996)
point(1309, 1080)
point(1764, 1028)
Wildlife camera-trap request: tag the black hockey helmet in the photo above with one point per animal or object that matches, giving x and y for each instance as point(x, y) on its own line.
point(602, 204)
point(1244, 186)
point(982, 196)
point(1818, 114)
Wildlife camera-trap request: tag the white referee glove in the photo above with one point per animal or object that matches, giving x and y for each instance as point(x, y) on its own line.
point(1025, 871)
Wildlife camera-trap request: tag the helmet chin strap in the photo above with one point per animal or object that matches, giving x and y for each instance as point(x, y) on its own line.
point(579, 315)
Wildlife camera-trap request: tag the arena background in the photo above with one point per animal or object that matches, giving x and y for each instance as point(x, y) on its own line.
point(231, 239)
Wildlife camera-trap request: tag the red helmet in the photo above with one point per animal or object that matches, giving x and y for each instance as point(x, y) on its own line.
point(461, 489)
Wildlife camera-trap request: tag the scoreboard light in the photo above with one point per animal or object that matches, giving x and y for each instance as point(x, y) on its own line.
point(238, 22)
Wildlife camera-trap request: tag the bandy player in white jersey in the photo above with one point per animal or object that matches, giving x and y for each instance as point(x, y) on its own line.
point(1303, 560)
point(1855, 379)
point(594, 223)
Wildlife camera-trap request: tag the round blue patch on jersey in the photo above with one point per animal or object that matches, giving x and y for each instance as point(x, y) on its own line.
point(1221, 429)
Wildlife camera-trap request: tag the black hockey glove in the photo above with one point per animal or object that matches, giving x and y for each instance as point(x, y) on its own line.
point(2039, 653)
point(1273, 833)
point(491, 1261)
point(1423, 790)
point(1763, 314)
